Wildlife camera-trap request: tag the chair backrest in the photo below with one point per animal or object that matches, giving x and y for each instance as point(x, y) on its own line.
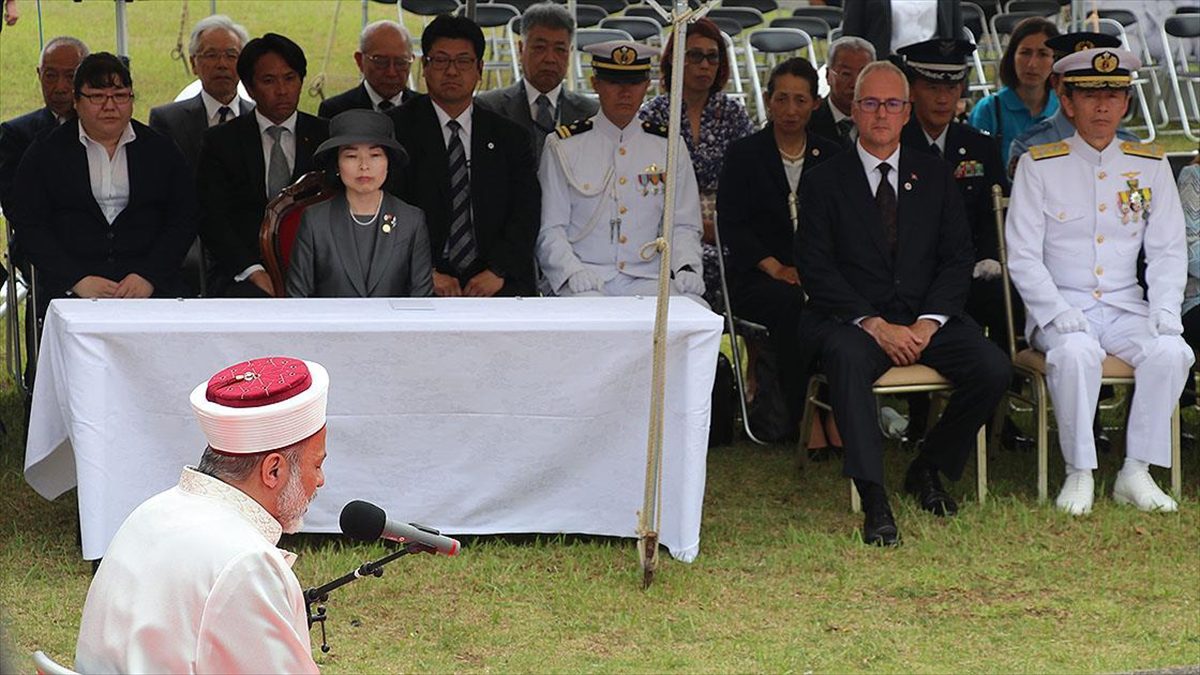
point(646, 13)
point(999, 207)
point(587, 16)
point(430, 7)
point(764, 6)
point(780, 40)
point(493, 15)
point(282, 221)
point(521, 5)
point(974, 18)
point(1183, 26)
point(47, 666)
point(1123, 16)
point(1003, 25)
point(830, 15)
point(640, 27)
point(745, 16)
point(586, 37)
point(730, 27)
point(1042, 7)
point(610, 6)
point(816, 28)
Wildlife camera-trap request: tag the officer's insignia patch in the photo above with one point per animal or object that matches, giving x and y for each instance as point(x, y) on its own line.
point(656, 129)
point(1084, 44)
point(572, 129)
point(1105, 62)
point(624, 56)
point(1048, 150)
point(969, 168)
point(1152, 151)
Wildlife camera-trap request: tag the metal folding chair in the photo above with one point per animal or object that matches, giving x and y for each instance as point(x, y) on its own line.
point(1176, 31)
point(773, 42)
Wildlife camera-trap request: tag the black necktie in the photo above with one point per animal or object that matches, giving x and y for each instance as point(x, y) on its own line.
point(844, 127)
point(460, 245)
point(885, 199)
point(225, 113)
point(935, 149)
point(385, 105)
point(545, 118)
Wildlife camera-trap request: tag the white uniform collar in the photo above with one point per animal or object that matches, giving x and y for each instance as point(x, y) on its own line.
point(602, 124)
point(264, 123)
point(127, 136)
point(532, 93)
point(1091, 155)
point(193, 482)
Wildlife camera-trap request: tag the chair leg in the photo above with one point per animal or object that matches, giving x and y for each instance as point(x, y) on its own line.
point(855, 500)
point(993, 440)
point(1176, 469)
point(981, 465)
point(1043, 423)
point(807, 418)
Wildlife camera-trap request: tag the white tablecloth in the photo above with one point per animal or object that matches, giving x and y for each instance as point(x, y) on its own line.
point(471, 416)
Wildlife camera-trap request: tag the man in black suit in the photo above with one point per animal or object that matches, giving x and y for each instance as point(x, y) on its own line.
point(105, 205)
point(539, 102)
point(56, 73)
point(889, 25)
point(215, 45)
point(384, 58)
point(470, 169)
point(885, 255)
point(832, 120)
point(246, 162)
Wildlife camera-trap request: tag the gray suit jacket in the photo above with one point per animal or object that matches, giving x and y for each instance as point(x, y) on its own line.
point(185, 123)
point(511, 102)
point(324, 262)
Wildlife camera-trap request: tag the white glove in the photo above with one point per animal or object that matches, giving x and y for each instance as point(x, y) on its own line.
point(986, 269)
point(583, 281)
point(1070, 321)
point(1163, 322)
point(688, 282)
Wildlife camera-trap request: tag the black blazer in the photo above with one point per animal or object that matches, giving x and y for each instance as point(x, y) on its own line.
point(354, 99)
point(821, 123)
point(16, 135)
point(232, 184)
point(842, 252)
point(186, 121)
point(67, 236)
point(968, 151)
point(872, 20)
point(752, 199)
point(513, 103)
point(506, 199)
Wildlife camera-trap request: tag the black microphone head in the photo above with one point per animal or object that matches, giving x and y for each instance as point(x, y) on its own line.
point(362, 520)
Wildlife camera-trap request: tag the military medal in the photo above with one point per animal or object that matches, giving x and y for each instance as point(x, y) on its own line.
point(389, 221)
point(1134, 203)
point(653, 180)
point(969, 168)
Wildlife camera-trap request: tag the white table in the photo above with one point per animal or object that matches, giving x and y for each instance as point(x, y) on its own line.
point(472, 416)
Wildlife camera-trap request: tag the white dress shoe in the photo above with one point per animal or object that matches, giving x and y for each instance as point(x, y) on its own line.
point(1140, 490)
point(1077, 494)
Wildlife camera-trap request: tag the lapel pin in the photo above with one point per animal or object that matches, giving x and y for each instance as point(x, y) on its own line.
point(962, 151)
point(491, 146)
point(816, 152)
point(908, 186)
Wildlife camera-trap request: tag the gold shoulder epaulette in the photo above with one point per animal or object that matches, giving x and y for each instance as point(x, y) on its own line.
point(1048, 150)
point(568, 130)
point(1152, 151)
point(656, 129)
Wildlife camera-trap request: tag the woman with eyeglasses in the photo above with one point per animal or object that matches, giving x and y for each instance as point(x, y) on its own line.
point(363, 243)
point(711, 122)
point(1027, 96)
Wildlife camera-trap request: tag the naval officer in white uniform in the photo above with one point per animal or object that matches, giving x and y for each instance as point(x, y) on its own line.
point(1081, 211)
point(604, 189)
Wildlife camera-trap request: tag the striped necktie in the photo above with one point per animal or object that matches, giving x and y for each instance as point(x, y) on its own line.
point(460, 246)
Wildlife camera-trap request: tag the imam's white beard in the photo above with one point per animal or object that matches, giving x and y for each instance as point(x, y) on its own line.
point(293, 504)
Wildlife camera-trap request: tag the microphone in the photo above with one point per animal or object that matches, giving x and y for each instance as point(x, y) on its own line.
point(366, 522)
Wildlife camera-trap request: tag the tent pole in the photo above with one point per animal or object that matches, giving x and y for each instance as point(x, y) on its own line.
point(122, 30)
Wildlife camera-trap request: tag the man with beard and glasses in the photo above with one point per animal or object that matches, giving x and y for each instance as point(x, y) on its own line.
point(193, 581)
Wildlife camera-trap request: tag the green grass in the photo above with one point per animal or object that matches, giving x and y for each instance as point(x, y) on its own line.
point(782, 584)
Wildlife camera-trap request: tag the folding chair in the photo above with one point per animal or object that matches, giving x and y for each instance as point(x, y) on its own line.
point(830, 15)
point(747, 17)
point(1115, 29)
point(1030, 365)
point(495, 19)
point(1042, 7)
point(816, 28)
point(44, 665)
point(1181, 28)
point(772, 42)
point(282, 221)
point(610, 6)
point(981, 84)
point(762, 6)
point(897, 380)
point(1003, 25)
point(22, 337)
point(1151, 66)
point(642, 29)
point(645, 12)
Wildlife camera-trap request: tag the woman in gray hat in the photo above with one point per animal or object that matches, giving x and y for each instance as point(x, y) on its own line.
point(363, 243)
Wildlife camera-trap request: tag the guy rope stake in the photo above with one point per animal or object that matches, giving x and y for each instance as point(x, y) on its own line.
point(650, 517)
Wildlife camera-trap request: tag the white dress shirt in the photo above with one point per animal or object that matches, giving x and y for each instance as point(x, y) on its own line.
point(193, 583)
point(377, 98)
point(874, 178)
point(109, 175)
point(532, 94)
point(913, 21)
point(940, 140)
point(212, 108)
point(288, 139)
point(464, 121)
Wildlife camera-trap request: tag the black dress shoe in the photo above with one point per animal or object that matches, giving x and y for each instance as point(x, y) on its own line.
point(923, 483)
point(879, 526)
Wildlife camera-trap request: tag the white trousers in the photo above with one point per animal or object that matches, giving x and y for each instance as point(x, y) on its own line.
point(625, 285)
point(1073, 366)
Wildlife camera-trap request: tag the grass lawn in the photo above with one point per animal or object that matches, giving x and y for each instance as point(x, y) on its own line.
point(782, 584)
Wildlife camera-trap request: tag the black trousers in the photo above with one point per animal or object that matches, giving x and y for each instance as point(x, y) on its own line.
point(775, 304)
point(852, 361)
point(985, 304)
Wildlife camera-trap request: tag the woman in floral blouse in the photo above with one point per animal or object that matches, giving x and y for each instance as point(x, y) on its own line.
point(712, 121)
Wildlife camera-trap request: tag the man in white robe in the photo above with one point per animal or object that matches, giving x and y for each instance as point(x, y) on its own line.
point(193, 582)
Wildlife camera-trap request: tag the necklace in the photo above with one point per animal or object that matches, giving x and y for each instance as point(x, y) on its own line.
point(796, 157)
point(368, 221)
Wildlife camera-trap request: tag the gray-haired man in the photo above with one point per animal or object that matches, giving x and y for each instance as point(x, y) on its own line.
point(213, 50)
point(384, 57)
point(539, 103)
point(847, 57)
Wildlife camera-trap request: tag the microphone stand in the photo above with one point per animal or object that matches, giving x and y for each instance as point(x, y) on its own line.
point(319, 595)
